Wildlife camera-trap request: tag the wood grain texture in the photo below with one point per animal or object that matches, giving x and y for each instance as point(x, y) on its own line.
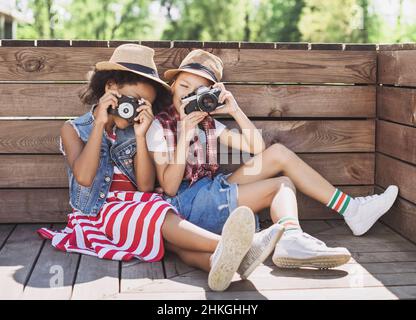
point(5, 231)
point(30, 136)
point(305, 101)
point(29, 63)
point(137, 274)
point(401, 217)
point(314, 66)
point(277, 101)
point(41, 100)
point(397, 67)
point(17, 257)
point(396, 135)
point(396, 140)
point(344, 150)
point(397, 104)
point(53, 275)
point(174, 266)
point(34, 64)
point(397, 46)
point(31, 205)
point(383, 266)
point(42, 136)
point(48, 171)
point(317, 135)
point(33, 171)
point(96, 279)
point(337, 168)
point(393, 171)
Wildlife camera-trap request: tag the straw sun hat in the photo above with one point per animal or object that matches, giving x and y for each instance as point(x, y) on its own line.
point(134, 58)
point(201, 63)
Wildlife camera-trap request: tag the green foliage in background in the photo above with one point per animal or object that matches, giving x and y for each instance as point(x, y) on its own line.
point(206, 19)
point(336, 21)
point(216, 20)
point(86, 19)
point(277, 20)
point(108, 19)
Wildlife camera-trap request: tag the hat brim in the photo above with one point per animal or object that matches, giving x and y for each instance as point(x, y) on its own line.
point(172, 73)
point(106, 65)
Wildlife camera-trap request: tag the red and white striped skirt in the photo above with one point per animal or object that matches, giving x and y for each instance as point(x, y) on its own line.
point(127, 226)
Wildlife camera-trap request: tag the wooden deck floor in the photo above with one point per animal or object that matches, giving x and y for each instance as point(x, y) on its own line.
point(383, 267)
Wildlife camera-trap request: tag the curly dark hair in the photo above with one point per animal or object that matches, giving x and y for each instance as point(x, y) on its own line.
point(96, 87)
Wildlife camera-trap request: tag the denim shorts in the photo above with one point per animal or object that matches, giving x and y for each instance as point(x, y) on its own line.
point(208, 202)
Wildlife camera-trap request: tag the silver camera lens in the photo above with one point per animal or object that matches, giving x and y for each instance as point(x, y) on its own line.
point(207, 102)
point(126, 110)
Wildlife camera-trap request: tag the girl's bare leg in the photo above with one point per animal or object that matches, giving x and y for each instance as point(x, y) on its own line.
point(279, 159)
point(284, 203)
point(197, 259)
point(195, 246)
point(278, 194)
point(186, 235)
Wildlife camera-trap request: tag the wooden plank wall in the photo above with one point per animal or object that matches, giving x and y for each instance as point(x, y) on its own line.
point(396, 133)
point(318, 99)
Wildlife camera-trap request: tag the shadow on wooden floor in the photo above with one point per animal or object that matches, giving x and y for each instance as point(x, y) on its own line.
point(383, 267)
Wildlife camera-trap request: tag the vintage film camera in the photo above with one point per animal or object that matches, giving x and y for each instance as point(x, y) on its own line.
point(126, 108)
point(203, 99)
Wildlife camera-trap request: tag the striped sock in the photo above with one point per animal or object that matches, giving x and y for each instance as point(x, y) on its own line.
point(340, 202)
point(291, 224)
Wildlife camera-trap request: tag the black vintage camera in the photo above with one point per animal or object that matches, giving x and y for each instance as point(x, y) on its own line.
point(126, 108)
point(203, 99)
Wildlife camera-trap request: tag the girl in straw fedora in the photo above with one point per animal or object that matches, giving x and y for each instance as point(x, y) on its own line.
point(186, 167)
point(115, 215)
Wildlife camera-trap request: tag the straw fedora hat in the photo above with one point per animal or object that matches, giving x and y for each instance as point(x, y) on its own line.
point(134, 58)
point(201, 63)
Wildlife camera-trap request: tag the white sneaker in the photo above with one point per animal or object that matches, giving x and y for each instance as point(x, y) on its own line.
point(299, 249)
point(236, 238)
point(369, 210)
point(263, 244)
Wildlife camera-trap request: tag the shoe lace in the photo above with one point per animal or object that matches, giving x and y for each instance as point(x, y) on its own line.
point(366, 199)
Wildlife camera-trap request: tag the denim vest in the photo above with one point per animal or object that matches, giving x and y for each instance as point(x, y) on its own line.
point(89, 200)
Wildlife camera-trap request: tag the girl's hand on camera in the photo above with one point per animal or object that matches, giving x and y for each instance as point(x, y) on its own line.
point(190, 121)
point(143, 121)
point(108, 100)
point(230, 104)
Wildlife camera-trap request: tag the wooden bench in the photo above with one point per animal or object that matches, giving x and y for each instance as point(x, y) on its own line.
point(347, 110)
